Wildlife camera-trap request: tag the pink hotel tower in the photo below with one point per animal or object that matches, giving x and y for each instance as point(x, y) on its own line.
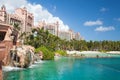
point(21, 16)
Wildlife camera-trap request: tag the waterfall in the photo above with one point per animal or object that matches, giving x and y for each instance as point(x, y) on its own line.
point(12, 56)
point(21, 57)
point(32, 56)
point(16, 59)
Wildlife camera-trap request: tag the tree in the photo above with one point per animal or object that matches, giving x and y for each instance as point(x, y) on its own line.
point(53, 43)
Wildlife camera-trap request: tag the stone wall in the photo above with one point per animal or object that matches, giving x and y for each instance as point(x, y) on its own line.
point(5, 47)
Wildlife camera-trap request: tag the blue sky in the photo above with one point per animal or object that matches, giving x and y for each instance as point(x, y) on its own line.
point(75, 13)
point(94, 19)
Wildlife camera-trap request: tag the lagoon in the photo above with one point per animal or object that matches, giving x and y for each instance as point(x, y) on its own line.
point(69, 69)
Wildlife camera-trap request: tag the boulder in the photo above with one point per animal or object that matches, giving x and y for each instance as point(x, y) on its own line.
point(22, 56)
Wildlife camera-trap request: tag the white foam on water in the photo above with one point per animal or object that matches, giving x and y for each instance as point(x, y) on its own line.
point(39, 61)
point(32, 66)
point(9, 68)
point(35, 63)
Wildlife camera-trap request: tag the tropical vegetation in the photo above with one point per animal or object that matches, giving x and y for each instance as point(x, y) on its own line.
point(39, 38)
point(61, 52)
point(47, 54)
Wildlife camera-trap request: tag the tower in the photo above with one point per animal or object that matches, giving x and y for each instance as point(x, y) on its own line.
point(26, 17)
point(3, 8)
point(3, 14)
point(57, 24)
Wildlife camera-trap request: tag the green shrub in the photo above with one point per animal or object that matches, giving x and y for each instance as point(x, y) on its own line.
point(61, 52)
point(103, 51)
point(47, 54)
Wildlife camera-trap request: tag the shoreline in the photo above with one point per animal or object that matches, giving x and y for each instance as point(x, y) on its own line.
point(113, 52)
point(92, 52)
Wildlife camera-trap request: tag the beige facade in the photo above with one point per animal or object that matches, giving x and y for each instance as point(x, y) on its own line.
point(27, 18)
point(65, 35)
point(77, 36)
point(21, 16)
point(72, 34)
point(53, 28)
point(41, 24)
point(3, 14)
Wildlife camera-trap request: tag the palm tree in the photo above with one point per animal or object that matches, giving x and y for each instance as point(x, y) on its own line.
point(16, 26)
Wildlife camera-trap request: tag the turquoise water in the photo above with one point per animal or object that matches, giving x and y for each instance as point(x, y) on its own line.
point(70, 69)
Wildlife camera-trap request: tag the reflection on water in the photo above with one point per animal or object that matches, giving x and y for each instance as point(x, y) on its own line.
point(70, 69)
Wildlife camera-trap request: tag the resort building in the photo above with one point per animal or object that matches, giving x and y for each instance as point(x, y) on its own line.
point(77, 36)
point(21, 17)
point(72, 34)
point(51, 27)
point(65, 35)
point(41, 24)
point(27, 18)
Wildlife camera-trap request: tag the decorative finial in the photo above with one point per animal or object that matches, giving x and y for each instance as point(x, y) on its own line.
point(3, 8)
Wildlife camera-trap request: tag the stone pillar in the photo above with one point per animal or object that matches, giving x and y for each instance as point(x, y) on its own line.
point(1, 76)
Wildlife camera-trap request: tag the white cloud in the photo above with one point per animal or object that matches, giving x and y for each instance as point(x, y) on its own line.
point(12, 4)
point(39, 12)
point(93, 23)
point(103, 29)
point(103, 9)
point(118, 19)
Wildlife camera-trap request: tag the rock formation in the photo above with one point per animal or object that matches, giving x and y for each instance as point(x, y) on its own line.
point(22, 56)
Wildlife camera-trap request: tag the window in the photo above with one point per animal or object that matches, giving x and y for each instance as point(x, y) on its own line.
point(2, 36)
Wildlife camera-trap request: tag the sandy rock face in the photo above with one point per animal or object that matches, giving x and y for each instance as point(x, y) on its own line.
point(21, 56)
